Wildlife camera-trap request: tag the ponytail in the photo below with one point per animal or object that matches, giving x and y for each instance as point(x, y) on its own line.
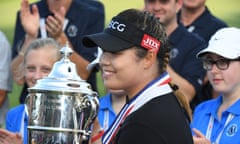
point(183, 101)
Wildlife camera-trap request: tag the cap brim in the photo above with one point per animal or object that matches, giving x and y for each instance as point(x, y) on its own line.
point(205, 51)
point(213, 49)
point(217, 49)
point(106, 41)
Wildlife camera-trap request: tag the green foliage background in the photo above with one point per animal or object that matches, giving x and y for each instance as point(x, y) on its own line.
point(227, 10)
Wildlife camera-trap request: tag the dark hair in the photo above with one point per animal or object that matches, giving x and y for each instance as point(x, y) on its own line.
point(150, 24)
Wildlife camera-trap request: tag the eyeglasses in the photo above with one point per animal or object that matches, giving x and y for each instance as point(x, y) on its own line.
point(221, 64)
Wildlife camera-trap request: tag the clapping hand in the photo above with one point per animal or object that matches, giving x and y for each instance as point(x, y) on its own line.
point(30, 20)
point(55, 23)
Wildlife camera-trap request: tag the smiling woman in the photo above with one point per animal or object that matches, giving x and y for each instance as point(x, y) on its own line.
point(8, 8)
point(135, 60)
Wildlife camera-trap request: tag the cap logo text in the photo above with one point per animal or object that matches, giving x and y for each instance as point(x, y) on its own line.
point(149, 42)
point(115, 25)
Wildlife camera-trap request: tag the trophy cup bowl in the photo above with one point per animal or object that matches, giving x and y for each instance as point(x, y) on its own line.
point(61, 107)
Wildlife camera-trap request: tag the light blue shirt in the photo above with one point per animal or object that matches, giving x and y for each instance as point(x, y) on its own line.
point(106, 114)
point(201, 118)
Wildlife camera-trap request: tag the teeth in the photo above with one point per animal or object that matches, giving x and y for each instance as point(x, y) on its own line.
point(107, 73)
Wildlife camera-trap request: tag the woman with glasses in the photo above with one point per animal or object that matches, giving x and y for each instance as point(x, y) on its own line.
point(217, 121)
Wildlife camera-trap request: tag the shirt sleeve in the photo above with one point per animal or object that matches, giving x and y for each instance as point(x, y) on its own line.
point(5, 54)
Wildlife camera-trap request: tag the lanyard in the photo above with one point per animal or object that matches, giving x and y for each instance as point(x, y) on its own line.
point(106, 119)
point(210, 127)
point(158, 88)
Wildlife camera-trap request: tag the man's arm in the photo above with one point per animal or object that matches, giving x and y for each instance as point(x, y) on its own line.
point(30, 22)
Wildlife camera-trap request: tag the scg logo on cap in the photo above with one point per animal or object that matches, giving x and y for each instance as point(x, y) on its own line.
point(117, 26)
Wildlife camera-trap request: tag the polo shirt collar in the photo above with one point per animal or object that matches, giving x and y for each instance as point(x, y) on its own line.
point(200, 21)
point(106, 102)
point(234, 108)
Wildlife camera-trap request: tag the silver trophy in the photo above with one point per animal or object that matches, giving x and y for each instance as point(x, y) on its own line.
point(61, 106)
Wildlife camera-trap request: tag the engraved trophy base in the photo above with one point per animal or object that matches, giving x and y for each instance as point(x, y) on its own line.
point(43, 135)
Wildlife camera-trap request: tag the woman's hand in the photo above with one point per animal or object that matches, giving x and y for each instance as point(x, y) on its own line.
point(199, 138)
point(97, 133)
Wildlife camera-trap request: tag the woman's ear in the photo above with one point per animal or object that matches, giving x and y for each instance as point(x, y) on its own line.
point(150, 58)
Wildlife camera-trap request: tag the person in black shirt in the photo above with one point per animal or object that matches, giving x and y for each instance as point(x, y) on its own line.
point(135, 58)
